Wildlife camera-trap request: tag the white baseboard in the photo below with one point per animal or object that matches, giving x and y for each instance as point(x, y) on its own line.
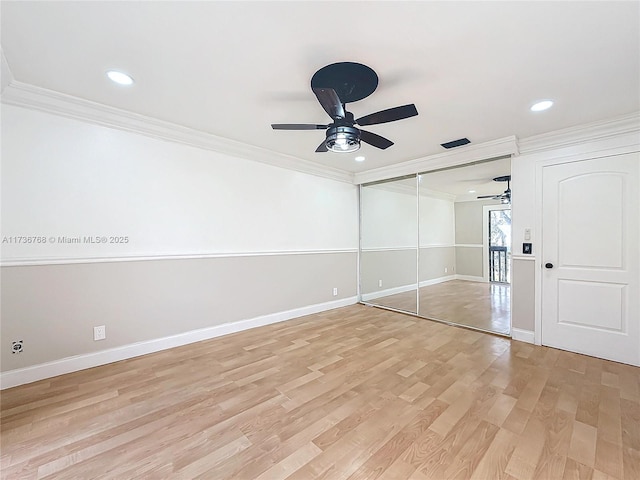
point(388, 291)
point(13, 378)
point(404, 288)
point(522, 335)
point(470, 278)
point(434, 281)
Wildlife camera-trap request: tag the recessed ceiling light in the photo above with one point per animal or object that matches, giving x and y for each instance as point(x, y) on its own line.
point(119, 77)
point(472, 191)
point(359, 159)
point(541, 105)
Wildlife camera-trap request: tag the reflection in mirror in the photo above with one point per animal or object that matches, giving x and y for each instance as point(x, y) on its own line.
point(457, 255)
point(389, 244)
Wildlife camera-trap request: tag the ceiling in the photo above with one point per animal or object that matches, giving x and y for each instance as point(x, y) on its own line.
point(470, 181)
point(231, 69)
point(460, 184)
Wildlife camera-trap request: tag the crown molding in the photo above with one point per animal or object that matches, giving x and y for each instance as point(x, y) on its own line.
point(49, 101)
point(494, 149)
point(588, 132)
point(6, 77)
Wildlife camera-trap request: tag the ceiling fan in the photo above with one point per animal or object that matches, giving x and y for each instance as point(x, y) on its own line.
point(504, 197)
point(336, 85)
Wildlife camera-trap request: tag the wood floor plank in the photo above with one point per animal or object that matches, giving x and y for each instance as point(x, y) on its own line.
point(524, 460)
point(445, 422)
point(355, 392)
point(204, 463)
point(494, 462)
point(290, 464)
point(412, 368)
point(576, 471)
point(517, 420)
point(393, 449)
point(630, 419)
point(474, 449)
point(366, 440)
point(631, 463)
point(608, 458)
point(583, 444)
point(500, 410)
point(588, 404)
point(558, 429)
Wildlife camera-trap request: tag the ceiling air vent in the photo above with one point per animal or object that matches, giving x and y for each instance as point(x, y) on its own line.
point(456, 143)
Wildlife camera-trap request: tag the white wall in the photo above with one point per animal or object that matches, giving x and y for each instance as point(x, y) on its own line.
point(437, 221)
point(389, 216)
point(62, 177)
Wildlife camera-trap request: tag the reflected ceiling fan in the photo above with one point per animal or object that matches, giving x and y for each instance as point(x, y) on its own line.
point(504, 197)
point(336, 85)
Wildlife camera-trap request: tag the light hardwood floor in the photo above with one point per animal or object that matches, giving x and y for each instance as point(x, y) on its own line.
point(352, 393)
point(474, 304)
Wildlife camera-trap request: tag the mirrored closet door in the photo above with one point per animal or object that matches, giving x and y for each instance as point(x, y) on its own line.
point(389, 244)
point(431, 247)
point(465, 246)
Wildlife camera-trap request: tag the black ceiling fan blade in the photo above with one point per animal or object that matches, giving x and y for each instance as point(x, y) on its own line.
point(375, 140)
point(389, 115)
point(298, 126)
point(330, 101)
point(490, 196)
point(322, 147)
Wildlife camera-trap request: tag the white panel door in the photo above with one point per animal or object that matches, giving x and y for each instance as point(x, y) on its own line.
point(591, 257)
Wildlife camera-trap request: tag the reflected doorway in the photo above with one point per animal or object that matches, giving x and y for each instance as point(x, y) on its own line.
point(499, 245)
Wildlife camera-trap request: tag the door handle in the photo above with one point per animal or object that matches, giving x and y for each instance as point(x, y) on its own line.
point(548, 265)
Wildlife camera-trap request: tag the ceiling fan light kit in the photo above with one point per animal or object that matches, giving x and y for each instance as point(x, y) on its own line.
point(343, 139)
point(336, 85)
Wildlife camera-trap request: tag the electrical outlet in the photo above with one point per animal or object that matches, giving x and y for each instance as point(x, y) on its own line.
point(99, 333)
point(335, 291)
point(379, 283)
point(446, 270)
point(17, 346)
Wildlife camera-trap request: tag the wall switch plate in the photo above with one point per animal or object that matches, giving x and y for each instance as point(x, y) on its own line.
point(527, 234)
point(99, 333)
point(527, 249)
